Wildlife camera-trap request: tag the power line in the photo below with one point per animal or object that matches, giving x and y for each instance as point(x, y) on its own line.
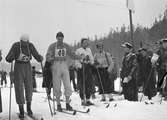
point(101, 4)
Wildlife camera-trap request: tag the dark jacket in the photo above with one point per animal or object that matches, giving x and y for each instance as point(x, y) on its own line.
point(129, 66)
point(27, 48)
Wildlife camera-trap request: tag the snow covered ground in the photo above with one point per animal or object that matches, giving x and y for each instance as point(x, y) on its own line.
point(124, 110)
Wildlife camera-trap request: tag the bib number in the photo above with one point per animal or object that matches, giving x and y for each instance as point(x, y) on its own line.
point(60, 52)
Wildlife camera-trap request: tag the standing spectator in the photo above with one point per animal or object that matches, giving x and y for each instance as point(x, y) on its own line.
point(105, 65)
point(128, 73)
point(147, 74)
point(3, 78)
point(34, 72)
point(84, 72)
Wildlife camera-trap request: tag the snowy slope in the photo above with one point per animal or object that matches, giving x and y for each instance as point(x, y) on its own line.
point(125, 110)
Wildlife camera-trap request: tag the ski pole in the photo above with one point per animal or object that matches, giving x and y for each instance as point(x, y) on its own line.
point(47, 95)
point(108, 104)
point(100, 80)
point(53, 103)
point(10, 96)
point(83, 69)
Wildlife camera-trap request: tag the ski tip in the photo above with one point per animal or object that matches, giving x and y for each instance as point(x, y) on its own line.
point(74, 113)
point(88, 110)
point(146, 103)
point(115, 105)
point(107, 105)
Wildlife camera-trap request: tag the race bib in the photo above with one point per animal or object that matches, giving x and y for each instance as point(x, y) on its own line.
point(23, 58)
point(60, 52)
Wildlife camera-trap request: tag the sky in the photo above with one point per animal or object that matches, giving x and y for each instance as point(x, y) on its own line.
point(42, 19)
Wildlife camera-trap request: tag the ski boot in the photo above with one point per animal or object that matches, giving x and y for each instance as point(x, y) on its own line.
point(103, 100)
point(29, 111)
point(35, 90)
point(83, 103)
point(111, 99)
point(68, 107)
point(89, 103)
point(59, 108)
point(21, 109)
point(165, 98)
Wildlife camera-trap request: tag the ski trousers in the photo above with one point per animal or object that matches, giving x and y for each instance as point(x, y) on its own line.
point(23, 82)
point(60, 72)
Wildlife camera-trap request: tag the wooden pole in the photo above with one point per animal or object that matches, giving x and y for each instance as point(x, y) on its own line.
point(131, 27)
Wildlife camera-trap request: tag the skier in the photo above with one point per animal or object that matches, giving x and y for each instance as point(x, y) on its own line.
point(0, 88)
point(147, 74)
point(128, 73)
point(21, 52)
point(34, 72)
point(58, 55)
point(84, 72)
point(105, 65)
point(3, 78)
point(162, 65)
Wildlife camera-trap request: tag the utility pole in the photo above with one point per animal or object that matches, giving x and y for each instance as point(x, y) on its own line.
point(131, 27)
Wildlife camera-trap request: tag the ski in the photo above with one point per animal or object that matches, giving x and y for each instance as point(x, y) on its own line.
point(25, 117)
point(80, 111)
point(35, 117)
point(73, 112)
point(147, 103)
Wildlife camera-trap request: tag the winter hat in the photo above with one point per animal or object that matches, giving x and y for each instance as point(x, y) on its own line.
point(164, 40)
point(24, 37)
point(60, 34)
point(127, 45)
point(142, 49)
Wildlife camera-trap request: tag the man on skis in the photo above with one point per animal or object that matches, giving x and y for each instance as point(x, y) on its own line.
point(104, 64)
point(58, 55)
point(84, 72)
point(128, 73)
point(21, 52)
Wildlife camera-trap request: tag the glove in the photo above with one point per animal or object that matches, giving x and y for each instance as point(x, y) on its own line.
point(87, 58)
point(109, 69)
point(127, 79)
point(41, 58)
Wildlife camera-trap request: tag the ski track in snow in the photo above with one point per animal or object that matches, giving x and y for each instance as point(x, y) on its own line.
point(124, 110)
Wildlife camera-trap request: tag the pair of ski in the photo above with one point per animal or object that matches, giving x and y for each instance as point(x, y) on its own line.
point(32, 117)
point(149, 103)
point(73, 112)
point(108, 105)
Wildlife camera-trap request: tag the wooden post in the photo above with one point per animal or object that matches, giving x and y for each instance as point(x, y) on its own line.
point(131, 27)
